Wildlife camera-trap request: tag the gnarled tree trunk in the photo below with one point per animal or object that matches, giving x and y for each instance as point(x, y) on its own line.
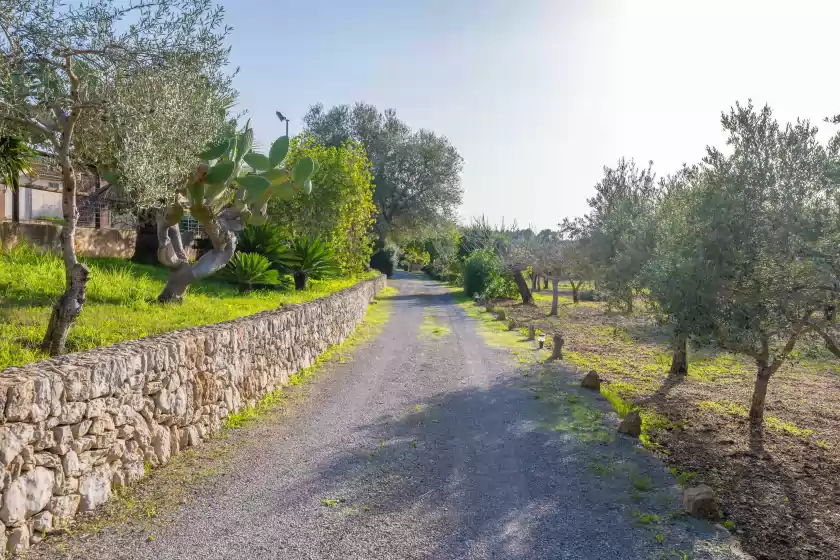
point(545, 282)
point(679, 358)
point(759, 397)
point(522, 286)
point(172, 255)
point(555, 295)
point(575, 289)
point(535, 284)
point(69, 306)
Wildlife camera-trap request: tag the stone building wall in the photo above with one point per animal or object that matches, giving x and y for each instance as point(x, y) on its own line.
point(90, 242)
point(76, 427)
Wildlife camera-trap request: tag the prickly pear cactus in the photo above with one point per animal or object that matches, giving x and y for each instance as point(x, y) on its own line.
point(234, 176)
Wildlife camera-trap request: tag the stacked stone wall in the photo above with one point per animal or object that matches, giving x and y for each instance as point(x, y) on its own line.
point(77, 427)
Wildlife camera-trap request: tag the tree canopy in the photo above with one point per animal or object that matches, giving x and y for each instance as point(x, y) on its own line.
point(417, 173)
point(340, 207)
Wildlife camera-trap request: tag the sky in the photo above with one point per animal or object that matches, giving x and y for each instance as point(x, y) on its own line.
point(539, 95)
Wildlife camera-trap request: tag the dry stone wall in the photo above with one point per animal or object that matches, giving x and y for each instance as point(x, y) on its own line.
point(77, 427)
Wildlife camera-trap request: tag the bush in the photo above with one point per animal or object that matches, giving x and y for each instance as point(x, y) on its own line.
point(249, 269)
point(266, 239)
point(385, 260)
point(589, 295)
point(308, 257)
point(484, 275)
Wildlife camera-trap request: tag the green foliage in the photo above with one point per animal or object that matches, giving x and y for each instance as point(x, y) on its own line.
point(266, 239)
point(308, 257)
point(483, 274)
point(416, 173)
point(619, 230)
point(415, 255)
point(16, 157)
point(249, 269)
point(339, 210)
point(386, 259)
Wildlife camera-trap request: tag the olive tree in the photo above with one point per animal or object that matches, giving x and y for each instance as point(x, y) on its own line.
point(769, 239)
point(619, 229)
point(682, 287)
point(96, 83)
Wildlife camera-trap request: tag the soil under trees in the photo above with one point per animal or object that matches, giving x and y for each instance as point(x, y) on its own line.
point(782, 502)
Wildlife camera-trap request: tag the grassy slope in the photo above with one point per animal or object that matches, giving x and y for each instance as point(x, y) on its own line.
point(121, 303)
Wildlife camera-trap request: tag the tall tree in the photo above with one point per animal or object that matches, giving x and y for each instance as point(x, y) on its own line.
point(619, 227)
point(340, 210)
point(417, 173)
point(770, 238)
point(63, 68)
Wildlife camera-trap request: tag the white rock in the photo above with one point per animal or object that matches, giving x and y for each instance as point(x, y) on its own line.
point(95, 488)
point(81, 429)
point(179, 406)
point(47, 460)
point(63, 509)
point(42, 522)
point(63, 436)
point(26, 495)
point(161, 444)
point(96, 408)
point(72, 412)
point(70, 464)
point(18, 541)
point(13, 438)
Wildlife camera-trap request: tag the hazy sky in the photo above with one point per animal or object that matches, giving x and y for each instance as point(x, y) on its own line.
point(538, 95)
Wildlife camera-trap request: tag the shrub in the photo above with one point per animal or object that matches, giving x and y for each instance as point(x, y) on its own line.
point(266, 239)
point(483, 274)
point(308, 257)
point(385, 260)
point(589, 295)
point(249, 269)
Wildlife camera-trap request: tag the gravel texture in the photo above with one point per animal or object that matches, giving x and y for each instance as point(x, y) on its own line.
point(429, 447)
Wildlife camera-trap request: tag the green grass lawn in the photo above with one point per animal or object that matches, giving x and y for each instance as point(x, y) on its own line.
point(121, 303)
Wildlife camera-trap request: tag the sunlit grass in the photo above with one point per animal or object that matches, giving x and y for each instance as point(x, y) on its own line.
point(121, 303)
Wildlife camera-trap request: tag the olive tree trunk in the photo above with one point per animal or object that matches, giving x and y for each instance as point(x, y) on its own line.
point(535, 282)
point(575, 290)
point(171, 253)
point(522, 286)
point(759, 397)
point(679, 358)
point(555, 295)
point(67, 309)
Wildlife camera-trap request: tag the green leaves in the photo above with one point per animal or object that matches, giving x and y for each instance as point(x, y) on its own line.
point(304, 170)
point(220, 173)
point(257, 161)
point(244, 143)
point(276, 176)
point(111, 177)
point(255, 187)
point(278, 151)
point(195, 193)
point(215, 152)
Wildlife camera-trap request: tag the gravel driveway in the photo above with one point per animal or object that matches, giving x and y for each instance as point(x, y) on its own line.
point(433, 445)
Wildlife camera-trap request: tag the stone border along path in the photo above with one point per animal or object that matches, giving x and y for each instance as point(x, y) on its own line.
point(430, 446)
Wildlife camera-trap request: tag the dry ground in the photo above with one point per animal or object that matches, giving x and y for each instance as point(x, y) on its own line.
point(784, 502)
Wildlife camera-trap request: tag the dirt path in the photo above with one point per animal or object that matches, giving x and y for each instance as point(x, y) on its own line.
point(431, 444)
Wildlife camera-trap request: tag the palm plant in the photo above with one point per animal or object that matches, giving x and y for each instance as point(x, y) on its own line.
point(247, 269)
point(16, 157)
point(307, 258)
point(265, 239)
